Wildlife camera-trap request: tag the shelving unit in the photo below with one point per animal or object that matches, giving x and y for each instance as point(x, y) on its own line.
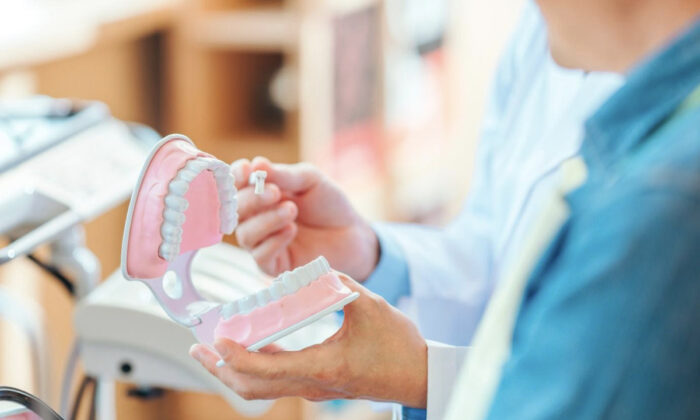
point(224, 57)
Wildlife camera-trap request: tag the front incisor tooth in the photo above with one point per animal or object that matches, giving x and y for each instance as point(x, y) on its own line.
point(176, 203)
point(174, 217)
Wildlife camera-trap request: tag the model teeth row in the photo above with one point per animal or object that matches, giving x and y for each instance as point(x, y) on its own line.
point(286, 284)
point(176, 204)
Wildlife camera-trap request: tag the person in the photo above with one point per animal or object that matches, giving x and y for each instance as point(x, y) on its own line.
point(606, 325)
point(442, 278)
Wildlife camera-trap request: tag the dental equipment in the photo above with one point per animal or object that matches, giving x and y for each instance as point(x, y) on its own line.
point(257, 178)
point(16, 404)
point(184, 201)
point(57, 172)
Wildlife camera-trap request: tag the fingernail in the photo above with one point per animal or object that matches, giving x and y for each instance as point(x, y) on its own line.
point(194, 351)
point(268, 194)
point(284, 211)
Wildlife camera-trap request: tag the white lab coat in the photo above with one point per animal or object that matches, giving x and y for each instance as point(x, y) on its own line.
point(534, 122)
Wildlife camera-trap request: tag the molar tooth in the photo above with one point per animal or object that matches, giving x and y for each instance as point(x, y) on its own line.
point(187, 175)
point(291, 284)
point(325, 266)
point(309, 273)
point(227, 226)
point(277, 290)
point(168, 251)
point(176, 203)
point(313, 269)
point(263, 297)
point(246, 304)
point(173, 216)
point(196, 165)
point(169, 230)
point(229, 310)
point(178, 187)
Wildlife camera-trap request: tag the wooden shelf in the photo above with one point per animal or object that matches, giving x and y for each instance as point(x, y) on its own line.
point(266, 29)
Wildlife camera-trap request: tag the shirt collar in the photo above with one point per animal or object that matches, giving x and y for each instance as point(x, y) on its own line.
point(654, 89)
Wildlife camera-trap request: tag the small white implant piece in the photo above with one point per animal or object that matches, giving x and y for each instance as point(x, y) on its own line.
point(257, 178)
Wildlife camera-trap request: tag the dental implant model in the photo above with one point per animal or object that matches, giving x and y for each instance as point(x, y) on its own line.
point(186, 200)
point(257, 178)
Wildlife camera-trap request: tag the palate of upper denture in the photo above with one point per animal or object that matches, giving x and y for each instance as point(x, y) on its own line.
point(286, 284)
point(176, 204)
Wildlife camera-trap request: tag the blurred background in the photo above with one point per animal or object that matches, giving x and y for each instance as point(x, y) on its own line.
point(386, 96)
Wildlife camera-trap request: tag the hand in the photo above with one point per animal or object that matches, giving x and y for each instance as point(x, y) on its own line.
point(301, 215)
point(377, 354)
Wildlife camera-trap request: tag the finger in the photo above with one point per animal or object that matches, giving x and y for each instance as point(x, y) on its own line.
point(283, 365)
point(250, 204)
point(363, 303)
point(207, 358)
point(296, 178)
point(240, 170)
point(267, 252)
point(271, 348)
point(256, 229)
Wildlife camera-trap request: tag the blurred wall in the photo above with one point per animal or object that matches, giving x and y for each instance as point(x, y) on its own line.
point(478, 33)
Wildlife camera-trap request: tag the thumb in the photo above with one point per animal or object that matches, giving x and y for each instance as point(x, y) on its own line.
point(295, 178)
point(360, 304)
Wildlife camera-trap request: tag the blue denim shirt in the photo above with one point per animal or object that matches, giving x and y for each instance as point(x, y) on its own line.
point(609, 326)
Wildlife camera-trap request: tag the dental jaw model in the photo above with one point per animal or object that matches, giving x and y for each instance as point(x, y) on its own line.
point(185, 200)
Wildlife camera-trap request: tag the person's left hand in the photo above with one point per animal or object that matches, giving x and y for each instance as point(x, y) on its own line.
point(377, 354)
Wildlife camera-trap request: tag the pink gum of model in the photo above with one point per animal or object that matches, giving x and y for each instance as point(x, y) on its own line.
point(201, 227)
point(248, 329)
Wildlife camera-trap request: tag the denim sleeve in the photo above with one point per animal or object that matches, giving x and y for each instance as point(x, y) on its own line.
point(390, 278)
point(609, 326)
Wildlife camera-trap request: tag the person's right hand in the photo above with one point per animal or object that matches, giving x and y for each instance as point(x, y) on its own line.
point(301, 215)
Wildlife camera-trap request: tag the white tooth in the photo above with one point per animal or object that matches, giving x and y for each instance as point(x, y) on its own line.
point(290, 282)
point(178, 187)
point(227, 227)
point(173, 238)
point(176, 203)
point(264, 297)
point(326, 267)
point(313, 273)
point(229, 310)
point(174, 216)
point(314, 269)
point(246, 304)
point(307, 273)
point(168, 251)
point(196, 165)
point(187, 175)
point(169, 230)
point(277, 290)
